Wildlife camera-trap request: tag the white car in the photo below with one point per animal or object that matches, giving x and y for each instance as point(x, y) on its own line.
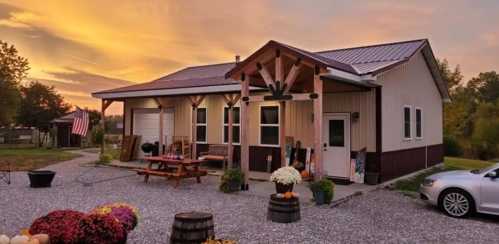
point(462, 193)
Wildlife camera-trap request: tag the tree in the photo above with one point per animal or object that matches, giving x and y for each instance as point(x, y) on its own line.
point(485, 138)
point(40, 104)
point(486, 85)
point(452, 77)
point(13, 69)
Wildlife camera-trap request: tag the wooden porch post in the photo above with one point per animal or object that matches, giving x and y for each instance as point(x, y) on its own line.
point(105, 105)
point(195, 102)
point(279, 77)
point(245, 130)
point(318, 114)
point(230, 136)
point(161, 126)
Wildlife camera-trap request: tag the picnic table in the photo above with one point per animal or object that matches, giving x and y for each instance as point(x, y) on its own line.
point(176, 169)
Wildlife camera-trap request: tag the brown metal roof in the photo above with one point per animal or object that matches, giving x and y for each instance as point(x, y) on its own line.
point(357, 60)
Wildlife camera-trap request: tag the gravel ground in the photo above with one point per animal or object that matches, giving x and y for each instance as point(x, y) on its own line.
point(380, 216)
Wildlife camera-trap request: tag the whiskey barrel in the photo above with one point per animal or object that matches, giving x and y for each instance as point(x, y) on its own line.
point(283, 210)
point(192, 227)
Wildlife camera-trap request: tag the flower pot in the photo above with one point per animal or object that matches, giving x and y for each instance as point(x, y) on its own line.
point(282, 188)
point(41, 178)
point(234, 185)
point(319, 197)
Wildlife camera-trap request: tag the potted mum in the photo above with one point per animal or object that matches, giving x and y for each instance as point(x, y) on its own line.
point(285, 178)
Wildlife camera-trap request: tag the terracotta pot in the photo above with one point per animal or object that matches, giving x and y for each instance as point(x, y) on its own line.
point(282, 188)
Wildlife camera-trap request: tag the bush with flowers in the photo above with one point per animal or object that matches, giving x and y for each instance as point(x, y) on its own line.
point(62, 226)
point(102, 229)
point(106, 224)
point(126, 214)
point(286, 175)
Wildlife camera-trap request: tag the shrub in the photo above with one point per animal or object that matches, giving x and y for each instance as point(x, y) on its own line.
point(62, 226)
point(452, 146)
point(102, 229)
point(229, 178)
point(126, 214)
point(325, 186)
point(105, 158)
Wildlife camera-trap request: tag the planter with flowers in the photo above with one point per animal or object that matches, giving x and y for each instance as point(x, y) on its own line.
point(285, 178)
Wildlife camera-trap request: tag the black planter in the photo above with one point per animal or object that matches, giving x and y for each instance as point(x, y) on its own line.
point(234, 185)
point(281, 188)
point(319, 197)
point(41, 178)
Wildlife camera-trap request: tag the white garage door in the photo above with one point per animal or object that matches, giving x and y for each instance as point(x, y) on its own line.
point(146, 125)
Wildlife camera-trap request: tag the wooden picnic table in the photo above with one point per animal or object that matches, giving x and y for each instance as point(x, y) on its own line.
point(176, 169)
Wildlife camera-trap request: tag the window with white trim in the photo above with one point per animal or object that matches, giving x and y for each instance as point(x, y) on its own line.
point(269, 125)
point(419, 123)
point(201, 124)
point(235, 125)
point(407, 122)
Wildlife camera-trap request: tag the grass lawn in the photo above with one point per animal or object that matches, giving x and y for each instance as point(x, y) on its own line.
point(32, 158)
point(450, 163)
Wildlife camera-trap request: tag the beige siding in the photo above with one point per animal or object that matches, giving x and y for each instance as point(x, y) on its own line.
point(299, 118)
point(410, 84)
point(363, 132)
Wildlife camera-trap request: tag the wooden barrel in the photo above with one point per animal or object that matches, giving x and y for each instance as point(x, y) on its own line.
point(192, 227)
point(283, 210)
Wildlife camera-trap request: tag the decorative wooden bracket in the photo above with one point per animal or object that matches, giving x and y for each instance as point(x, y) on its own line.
point(278, 86)
point(231, 99)
point(196, 100)
point(106, 104)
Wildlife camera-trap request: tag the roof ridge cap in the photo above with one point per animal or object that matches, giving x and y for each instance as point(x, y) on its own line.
point(372, 45)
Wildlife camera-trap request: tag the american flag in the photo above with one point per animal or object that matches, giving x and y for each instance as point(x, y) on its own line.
point(80, 122)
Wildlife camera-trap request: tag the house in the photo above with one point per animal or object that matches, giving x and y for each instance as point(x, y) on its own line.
point(386, 98)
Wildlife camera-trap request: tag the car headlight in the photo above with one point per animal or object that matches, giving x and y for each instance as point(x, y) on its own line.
point(428, 182)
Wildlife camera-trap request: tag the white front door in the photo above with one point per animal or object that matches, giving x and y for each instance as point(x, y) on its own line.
point(146, 125)
point(336, 139)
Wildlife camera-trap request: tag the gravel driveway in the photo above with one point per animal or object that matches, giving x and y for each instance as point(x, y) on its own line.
point(379, 216)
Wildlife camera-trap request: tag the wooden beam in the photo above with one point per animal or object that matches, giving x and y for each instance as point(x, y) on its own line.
point(318, 117)
point(282, 132)
point(266, 76)
point(292, 75)
point(105, 104)
point(245, 130)
point(161, 128)
point(279, 71)
point(230, 138)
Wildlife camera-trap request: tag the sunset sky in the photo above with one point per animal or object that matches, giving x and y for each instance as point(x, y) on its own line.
point(85, 46)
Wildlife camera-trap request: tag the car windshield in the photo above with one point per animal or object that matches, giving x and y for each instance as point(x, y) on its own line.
point(481, 171)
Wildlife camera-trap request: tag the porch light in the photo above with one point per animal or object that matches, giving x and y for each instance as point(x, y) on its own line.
point(355, 116)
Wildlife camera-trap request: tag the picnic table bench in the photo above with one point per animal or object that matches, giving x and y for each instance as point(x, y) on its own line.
point(176, 169)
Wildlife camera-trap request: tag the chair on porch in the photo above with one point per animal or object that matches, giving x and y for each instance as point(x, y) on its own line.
point(217, 152)
point(182, 145)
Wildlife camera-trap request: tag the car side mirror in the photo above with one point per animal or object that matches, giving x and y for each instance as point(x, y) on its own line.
point(492, 175)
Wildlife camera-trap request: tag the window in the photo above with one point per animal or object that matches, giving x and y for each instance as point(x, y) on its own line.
point(201, 124)
point(419, 123)
point(407, 122)
point(336, 133)
point(269, 125)
point(235, 125)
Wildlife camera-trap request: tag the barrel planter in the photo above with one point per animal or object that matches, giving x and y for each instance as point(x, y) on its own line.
point(192, 227)
point(41, 178)
point(283, 210)
point(283, 188)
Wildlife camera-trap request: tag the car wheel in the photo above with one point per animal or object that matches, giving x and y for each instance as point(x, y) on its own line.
point(457, 203)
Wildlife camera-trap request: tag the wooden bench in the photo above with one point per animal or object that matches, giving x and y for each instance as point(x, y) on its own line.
point(216, 152)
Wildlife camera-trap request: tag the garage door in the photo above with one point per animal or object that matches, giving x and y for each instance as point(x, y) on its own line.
point(146, 125)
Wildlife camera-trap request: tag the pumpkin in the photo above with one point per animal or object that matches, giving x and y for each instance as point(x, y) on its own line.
point(19, 240)
point(305, 174)
point(4, 239)
point(288, 195)
point(42, 238)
